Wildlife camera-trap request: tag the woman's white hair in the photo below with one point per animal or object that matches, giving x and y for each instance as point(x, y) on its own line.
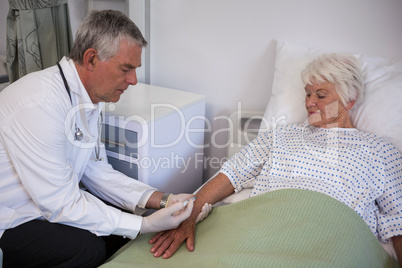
point(344, 71)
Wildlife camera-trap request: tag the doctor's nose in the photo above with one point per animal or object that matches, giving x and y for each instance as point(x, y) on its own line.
point(131, 77)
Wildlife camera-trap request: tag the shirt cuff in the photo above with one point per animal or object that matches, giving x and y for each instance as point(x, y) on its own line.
point(129, 225)
point(144, 198)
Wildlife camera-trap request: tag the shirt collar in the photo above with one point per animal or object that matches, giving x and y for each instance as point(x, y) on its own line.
point(76, 86)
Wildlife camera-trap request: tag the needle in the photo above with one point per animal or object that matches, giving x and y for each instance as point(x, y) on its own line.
point(185, 203)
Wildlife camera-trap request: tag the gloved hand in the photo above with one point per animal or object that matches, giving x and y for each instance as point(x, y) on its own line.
point(205, 210)
point(174, 198)
point(164, 219)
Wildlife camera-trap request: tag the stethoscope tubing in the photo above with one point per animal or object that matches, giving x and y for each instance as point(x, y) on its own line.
point(79, 135)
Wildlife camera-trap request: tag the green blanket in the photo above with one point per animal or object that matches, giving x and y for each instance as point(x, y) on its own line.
point(285, 228)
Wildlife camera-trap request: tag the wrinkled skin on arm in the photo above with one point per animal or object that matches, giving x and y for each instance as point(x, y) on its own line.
point(166, 243)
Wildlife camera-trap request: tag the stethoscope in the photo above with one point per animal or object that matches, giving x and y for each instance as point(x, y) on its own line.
point(79, 135)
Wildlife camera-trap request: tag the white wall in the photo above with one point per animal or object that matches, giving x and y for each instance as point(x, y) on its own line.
point(78, 10)
point(225, 49)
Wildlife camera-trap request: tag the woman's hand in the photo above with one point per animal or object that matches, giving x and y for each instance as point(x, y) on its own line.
point(166, 243)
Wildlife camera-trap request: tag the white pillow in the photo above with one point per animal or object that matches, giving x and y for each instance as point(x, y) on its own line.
point(380, 112)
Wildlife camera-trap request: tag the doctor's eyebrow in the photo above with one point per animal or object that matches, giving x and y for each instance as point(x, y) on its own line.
point(127, 65)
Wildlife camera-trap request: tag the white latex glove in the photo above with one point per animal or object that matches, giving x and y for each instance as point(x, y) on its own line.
point(205, 210)
point(174, 198)
point(164, 219)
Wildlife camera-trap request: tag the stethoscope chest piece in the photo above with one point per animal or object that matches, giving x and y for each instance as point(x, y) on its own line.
point(78, 136)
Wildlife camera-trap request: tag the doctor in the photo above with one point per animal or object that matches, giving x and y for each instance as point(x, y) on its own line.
point(49, 143)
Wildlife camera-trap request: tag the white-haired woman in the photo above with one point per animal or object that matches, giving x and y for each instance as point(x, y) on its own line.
point(324, 154)
point(334, 83)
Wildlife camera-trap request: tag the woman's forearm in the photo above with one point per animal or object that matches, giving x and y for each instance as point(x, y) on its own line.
point(213, 191)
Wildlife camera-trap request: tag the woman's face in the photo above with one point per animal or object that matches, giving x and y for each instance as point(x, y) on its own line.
point(325, 108)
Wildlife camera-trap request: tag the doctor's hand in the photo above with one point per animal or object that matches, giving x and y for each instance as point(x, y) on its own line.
point(174, 198)
point(166, 218)
point(205, 210)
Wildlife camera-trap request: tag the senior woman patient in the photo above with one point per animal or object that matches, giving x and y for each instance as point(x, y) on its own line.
point(324, 154)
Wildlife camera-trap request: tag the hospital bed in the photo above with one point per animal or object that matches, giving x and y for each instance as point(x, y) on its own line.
point(292, 228)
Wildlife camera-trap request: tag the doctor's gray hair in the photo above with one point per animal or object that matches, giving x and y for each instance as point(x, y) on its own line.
point(103, 31)
point(344, 71)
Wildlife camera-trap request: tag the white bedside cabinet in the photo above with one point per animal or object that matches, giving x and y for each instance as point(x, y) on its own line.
point(156, 135)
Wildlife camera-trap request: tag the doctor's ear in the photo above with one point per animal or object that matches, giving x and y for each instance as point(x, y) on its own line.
point(89, 59)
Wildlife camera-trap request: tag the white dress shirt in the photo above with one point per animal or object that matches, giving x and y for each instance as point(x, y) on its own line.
point(41, 165)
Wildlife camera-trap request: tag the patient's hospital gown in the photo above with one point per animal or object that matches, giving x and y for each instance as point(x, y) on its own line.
point(357, 168)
